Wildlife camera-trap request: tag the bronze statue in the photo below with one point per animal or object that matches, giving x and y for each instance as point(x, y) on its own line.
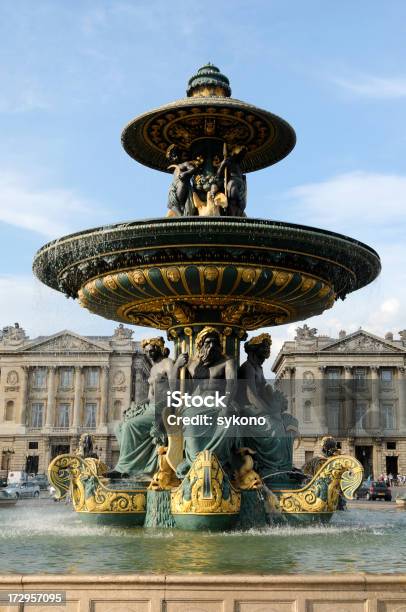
point(180, 201)
point(209, 371)
point(235, 183)
point(272, 441)
point(142, 429)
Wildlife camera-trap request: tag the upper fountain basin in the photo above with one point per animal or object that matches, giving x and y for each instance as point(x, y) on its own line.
point(247, 272)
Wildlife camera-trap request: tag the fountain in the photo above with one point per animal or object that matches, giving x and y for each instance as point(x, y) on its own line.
point(207, 274)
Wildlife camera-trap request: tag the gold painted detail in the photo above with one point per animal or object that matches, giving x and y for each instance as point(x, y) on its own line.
point(83, 478)
point(165, 296)
point(341, 472)
point(164, 479)
point(183, 126)
point(246, 477)
point(205, 490)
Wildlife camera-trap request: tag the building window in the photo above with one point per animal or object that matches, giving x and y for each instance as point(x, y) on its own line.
point(117, 410)
point(391, 445)
point(360, 378)
point(33, 445)
point(92, 378)
point(333, 378)
point(63, 416)
point(388, 415)
point(361, 416)
point(307, 412)
point(66, 378)
point(39, 378)
point(333, 411)
point(37, 413)
point(9, 411)
point(90, 415)
point(386, 377)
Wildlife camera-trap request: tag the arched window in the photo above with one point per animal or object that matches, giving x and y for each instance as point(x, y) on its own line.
point(117, 410)
point(10, 411)
point(307, 411)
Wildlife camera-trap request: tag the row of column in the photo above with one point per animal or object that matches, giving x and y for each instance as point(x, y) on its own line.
point(288, 374)
point(78, 394)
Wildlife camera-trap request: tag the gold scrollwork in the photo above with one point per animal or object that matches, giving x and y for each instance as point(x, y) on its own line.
point(322, 493)
point(83, 477)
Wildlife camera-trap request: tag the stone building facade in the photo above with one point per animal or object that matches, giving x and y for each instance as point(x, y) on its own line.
point(352, 387)
point(53, 388)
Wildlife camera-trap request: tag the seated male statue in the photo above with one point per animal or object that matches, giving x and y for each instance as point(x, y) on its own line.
point(209, 372)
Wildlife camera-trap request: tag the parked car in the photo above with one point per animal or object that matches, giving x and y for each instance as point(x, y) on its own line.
point(374, 490)
point(23, 489)
point(41, 480)
point(7, 499)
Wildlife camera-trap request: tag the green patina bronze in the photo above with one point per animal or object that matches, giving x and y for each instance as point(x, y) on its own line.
point(207, 274)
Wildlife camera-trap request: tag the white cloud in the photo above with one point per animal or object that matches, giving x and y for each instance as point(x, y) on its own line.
point(371, 207)
point(50, 212)
point(354, 199)
point(374, 87)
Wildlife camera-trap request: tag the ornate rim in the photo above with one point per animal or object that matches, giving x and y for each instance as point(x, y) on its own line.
point(139, 141)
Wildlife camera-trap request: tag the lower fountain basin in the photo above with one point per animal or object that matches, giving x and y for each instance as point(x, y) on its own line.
point(41, 536)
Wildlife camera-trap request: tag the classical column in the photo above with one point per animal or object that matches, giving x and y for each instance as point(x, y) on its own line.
point(374, 420)
point(22, 417)
point(104, 395)
point(346, 419)
point(322, 415)
point(77, 400)
point(50, 420)
point(401, 421)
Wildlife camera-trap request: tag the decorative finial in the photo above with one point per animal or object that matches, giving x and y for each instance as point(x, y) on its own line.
point(208, 81)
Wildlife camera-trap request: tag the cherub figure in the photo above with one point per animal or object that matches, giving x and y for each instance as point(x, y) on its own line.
point(180, 201)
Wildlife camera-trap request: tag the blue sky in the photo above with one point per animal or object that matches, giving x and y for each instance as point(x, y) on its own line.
point(74, 73)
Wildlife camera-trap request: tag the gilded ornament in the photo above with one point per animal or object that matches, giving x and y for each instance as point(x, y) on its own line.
point(325, 290)
point(246, 478)
point(281, 278)
point(84, 479)
point(211, 273)
point(206, 490)
point(339, 473)
point(173, 274)
point(307, 283)
point(137, 277)
point(91, 287)
point(260, 339)
point(110, 281)
point(248, 275)
point(164, 479)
